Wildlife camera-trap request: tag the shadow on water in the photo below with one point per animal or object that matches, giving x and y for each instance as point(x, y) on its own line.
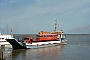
point(16, 53)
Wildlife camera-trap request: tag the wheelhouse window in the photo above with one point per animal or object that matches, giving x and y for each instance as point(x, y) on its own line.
point(2, 38)
point(25, 38)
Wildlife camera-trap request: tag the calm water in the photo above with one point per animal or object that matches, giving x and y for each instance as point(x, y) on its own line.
point(78, 48)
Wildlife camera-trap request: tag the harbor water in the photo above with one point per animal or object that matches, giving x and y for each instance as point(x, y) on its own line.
point(78, 48)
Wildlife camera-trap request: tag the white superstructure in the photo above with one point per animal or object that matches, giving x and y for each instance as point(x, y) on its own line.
point(3, 38)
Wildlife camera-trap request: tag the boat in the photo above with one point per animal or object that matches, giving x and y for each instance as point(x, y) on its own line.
point(43, 39)
point(3, 38)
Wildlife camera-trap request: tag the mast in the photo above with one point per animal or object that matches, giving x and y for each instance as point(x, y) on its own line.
point(56, 25)
point(7, 29)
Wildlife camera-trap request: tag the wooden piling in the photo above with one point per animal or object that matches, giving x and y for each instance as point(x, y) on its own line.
point(2, 52)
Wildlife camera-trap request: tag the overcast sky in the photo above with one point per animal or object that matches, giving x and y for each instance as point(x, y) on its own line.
point(32, 16)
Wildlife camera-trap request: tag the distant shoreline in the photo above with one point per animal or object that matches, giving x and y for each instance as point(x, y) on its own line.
point(76, 34)
point(35, 34)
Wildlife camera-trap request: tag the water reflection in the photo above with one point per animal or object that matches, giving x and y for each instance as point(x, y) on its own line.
point(36, 54)
point(43, 53)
